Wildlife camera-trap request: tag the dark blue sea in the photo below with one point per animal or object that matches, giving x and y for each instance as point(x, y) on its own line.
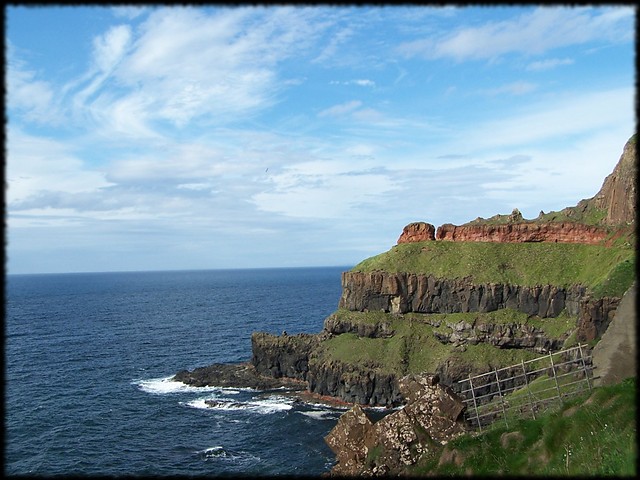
point(89, 357)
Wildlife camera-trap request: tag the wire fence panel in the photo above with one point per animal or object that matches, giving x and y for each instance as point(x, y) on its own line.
point(524, 389)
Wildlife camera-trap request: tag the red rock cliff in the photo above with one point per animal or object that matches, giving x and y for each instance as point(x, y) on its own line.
point(560, 232)
point(417, 232)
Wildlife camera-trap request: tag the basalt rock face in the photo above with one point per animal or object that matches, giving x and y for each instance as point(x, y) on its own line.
point(432, 415)
point(618, 193)
point(364, 385)
point(408, 292)
point(417, 232)
point(283, 356)
point(595, 316)
point(558, 232)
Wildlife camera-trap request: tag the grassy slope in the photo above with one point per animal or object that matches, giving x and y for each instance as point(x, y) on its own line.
point(413, 348)
point(591, 435)
point(606, 271)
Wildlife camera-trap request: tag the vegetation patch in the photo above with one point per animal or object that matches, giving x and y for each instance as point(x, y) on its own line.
point(597, 267)
point(414, 348)
point(597, 439)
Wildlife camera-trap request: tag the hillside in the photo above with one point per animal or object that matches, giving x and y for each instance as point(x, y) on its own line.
point(591, 435)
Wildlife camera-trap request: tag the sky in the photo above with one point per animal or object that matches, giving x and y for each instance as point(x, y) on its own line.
point(177, 138)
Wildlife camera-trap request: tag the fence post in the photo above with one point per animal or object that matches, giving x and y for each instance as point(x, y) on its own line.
point(504, 413)
point(475, 405)
point(584, 366)
point(531, 400)
point(555, 377)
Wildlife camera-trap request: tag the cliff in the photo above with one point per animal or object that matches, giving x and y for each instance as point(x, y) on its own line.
point(618, 193)
point(589, 222)
point(518, 232)
point(559, 232)
point(449, 303)
point(399, 293)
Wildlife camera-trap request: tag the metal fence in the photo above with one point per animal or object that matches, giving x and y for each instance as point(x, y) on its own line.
point(524, 389)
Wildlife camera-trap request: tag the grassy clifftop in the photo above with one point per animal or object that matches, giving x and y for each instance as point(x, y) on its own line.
point(606, 271)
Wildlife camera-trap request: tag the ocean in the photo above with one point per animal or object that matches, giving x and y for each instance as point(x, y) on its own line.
point(89, 357)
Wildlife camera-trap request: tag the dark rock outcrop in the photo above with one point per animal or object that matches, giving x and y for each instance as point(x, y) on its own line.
point(408, 292)
point(365, 384)
point(594, 317)
point(242, 375)
point(283, 356)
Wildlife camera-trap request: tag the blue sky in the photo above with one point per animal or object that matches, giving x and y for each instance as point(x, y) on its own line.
point(166, 138)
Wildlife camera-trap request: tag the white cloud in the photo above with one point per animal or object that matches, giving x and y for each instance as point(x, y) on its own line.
point(39, 164)
point(129, 12)
point(534, 33)
point(363, 82)
point(548, 64)
point(335, 41)
point(341, 109)
point(515, 88)
point(323, 194)
point(27, 94)
point(180, 65)
point(110, 48)
point(216, 66)
point(556, 118)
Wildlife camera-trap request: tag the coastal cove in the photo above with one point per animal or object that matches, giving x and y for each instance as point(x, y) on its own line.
point(90, 356)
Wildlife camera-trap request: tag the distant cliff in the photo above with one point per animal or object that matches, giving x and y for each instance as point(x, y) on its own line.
point(618, 193)
point(589, 222)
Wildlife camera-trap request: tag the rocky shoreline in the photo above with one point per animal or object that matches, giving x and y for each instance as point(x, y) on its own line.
point(236, 375)
point(245, 375)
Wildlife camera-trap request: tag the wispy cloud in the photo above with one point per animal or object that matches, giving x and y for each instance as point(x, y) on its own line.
point(341, 109)
point(533, 33)
point(548, 64)
point(179, 66)
point(46, 165)
point(578, 113)
point(32, 97)
point(515, 88)
point(359, 82)
point(323, 190)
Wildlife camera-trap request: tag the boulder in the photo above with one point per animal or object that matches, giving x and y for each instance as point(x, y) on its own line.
point(433, 414)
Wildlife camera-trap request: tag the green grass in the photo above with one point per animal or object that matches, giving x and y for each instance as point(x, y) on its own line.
point(543, 392)
point(413, 348)
point(605, 270)
point(591, 435)
point(585, 212)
